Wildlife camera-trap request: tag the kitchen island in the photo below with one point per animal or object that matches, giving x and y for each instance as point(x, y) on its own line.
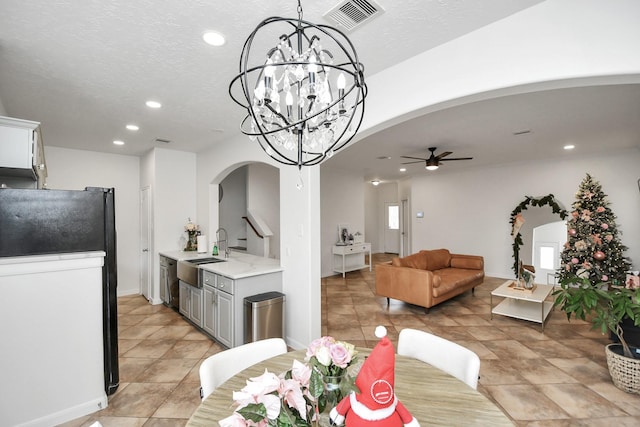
point(239, 265)
point(217, 305)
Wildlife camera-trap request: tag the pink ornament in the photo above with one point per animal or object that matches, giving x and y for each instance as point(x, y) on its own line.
point(605, 277)
point(573, 231)
point(599, 255)
point(574, 260)
point(604, 226)
point(575, 214)
point(600, 209)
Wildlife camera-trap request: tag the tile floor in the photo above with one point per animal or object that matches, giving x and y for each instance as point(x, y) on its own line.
point(558, 378)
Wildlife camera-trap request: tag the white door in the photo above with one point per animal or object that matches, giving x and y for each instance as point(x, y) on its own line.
point(404, 228)
point(392, 228)
point(146, 278)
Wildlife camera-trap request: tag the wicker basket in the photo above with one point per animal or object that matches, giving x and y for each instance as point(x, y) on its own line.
point(624, 371)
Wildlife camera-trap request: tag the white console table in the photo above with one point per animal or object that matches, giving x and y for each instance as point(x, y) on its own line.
point(350, 257)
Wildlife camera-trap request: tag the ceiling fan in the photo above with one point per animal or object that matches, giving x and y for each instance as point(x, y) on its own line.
point(433, 161)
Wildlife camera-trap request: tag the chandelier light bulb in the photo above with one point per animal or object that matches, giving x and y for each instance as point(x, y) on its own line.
point(259, 91)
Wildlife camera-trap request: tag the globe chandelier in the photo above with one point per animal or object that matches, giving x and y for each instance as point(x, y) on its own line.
point(305, 97)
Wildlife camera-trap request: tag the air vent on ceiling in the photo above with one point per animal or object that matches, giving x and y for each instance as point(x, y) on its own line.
point(350, 14)
point(164, 141)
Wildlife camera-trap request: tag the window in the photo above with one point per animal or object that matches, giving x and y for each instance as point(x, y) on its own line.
point(547, 257)
point(394, 217)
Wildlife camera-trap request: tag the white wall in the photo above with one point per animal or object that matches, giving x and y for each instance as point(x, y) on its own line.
point(371, 229)
point(263, 199)
point(384, 193)
point(342, 199)
point(469, 212)
point(233, 207)
point(171, 176)
point(3, 111)
point(76, 169)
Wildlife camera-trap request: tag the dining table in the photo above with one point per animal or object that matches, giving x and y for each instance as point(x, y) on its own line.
point(433, 397)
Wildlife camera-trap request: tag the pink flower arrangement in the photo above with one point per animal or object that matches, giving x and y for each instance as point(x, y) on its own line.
point(288, 399)
point(296, 397)
point(604, 225)
point(330, 357)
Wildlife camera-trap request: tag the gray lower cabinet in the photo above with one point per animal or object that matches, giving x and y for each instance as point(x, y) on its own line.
point(191, 303)
point(223, 316)
point(218, 315)
point(224, 319)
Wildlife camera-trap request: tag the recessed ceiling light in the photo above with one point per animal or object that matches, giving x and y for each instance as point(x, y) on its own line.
point(569, 147)
point(132, 127)
point(403, 169)
point(118, 142)
point(213, 38)
point(153, 104)
point(375, 182)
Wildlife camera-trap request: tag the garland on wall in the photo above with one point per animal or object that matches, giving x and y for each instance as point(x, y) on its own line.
point(517, 220)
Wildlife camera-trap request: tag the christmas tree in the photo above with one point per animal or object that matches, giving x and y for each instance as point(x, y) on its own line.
point(593, 249)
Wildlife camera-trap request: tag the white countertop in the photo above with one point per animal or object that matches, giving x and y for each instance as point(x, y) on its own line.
point(237, 266)
point(31, 264)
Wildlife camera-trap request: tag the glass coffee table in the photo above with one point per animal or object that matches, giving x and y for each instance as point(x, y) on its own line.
point(525, 304)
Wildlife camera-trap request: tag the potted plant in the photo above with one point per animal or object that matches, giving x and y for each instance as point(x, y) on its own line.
point(605, 306)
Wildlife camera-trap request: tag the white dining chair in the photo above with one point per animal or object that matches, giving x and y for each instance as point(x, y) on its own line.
point(219, 367)
point(443, 354)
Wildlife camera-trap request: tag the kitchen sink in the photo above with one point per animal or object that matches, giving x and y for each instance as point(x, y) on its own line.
point(188, 270)
point(198, 261)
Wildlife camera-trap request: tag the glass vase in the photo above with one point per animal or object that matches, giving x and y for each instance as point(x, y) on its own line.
point(192, 241)
point(332, 392)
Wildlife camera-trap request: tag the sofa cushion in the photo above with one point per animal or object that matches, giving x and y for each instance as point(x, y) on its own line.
point(436, 259)
point(453, 278)
point(467, 261)
point(411, 261)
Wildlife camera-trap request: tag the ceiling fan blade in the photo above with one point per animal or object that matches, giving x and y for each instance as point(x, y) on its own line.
point(457, 158)
point(416, 158)
point(441, 155)
point(408, 163)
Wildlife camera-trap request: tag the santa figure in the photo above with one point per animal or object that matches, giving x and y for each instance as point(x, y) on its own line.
point(376, 405)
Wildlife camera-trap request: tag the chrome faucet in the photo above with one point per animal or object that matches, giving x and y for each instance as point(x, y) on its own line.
point(226, 241)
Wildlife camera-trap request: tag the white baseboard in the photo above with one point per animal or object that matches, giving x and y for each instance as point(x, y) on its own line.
point(68, 414)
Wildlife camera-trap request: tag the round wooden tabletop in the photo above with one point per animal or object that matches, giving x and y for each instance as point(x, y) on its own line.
point(433, 397)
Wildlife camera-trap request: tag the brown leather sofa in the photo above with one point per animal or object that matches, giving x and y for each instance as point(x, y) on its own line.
point(428, 278)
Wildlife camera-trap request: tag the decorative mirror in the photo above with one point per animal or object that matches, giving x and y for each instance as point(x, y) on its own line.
point(517, 220)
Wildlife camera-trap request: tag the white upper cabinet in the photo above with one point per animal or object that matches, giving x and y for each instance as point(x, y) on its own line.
point(21, 151)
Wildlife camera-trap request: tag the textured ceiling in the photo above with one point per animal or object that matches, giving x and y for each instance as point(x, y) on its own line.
point(84, 68)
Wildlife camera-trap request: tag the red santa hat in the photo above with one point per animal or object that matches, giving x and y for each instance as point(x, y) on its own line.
point(376, 377)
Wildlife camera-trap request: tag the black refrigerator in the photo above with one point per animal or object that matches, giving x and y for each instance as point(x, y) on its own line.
point(40, 222)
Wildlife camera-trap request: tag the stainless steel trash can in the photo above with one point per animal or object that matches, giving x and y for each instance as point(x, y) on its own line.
point(264, 316)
